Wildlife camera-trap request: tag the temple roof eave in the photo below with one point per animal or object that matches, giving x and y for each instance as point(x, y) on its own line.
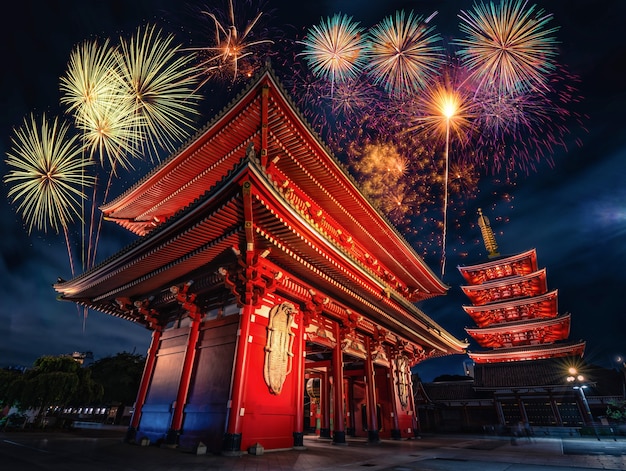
point(355, 212)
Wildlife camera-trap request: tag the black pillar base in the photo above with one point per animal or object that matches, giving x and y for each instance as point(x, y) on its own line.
point(131, 434)
point(298, 441)
point(416, 433)
point(350, 431)
point(339, 438)
point(325, 433)
point(396, 434)
point(171, 438)
point(372, 436)
point(232, 444)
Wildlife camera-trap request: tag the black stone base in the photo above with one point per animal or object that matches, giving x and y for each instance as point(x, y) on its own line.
point(232, 444)
point(298, 439)
point(396, 434)
point(339, 438)
point(325, 433)
point(350, 431)
point(171, 438)
point(131, 435)
point(372, 436)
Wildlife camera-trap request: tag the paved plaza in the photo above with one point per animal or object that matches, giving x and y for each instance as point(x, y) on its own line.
point(98, 450)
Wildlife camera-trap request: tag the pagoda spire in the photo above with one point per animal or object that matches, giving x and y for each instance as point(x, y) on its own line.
point(489, 237)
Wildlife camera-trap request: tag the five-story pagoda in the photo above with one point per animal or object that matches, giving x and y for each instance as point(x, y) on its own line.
point(516, 315)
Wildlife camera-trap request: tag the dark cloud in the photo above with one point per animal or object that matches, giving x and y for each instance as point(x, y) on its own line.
point(573, 213)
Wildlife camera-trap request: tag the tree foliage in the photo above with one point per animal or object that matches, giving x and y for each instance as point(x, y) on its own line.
point(120, 376)
point(616, 411)
point(53, 381)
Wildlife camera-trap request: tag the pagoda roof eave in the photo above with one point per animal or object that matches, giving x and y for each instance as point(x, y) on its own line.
point(503, 282)
point(530, 254)
point(520, 326)
point(529, 352)
point(546, 297)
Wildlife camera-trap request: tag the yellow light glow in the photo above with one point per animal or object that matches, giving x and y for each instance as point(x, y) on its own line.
point(572, 370)
point(449, 106)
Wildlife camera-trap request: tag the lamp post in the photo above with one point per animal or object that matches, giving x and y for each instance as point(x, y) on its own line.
point(578, 382)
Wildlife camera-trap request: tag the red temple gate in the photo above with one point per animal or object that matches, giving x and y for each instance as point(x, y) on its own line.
point(257, 270)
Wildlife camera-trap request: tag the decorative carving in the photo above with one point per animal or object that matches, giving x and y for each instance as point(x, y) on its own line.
point(279, 346)
point(403, 380)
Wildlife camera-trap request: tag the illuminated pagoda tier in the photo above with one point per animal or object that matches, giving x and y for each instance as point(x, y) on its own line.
point(515, 314)
point(259, 267)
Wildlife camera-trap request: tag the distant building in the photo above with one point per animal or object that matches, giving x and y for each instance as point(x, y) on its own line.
point(84, 358)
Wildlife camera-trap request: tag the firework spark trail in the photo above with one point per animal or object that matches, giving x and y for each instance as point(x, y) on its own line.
point(47, 174)
point(403, 53)
point(238, 44)
point(444, 111)
point(508, 46)
point(335, 49)
point(89, 83)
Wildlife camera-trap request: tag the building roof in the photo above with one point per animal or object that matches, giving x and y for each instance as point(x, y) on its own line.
point(297, 159)
point(451, 391)
point(544, 306)
point(257, 178)
point(513, 287)
point(532, 331)
point(519, 264)
point(530, 352)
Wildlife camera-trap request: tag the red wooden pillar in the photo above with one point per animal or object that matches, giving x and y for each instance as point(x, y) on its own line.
point(232, 439)
point(185, 378)
point(298, 434)
point(396, 434)
point(370, 380)
point(148, 369)
point(350, 429)
point(416, 425)
point(339, 432)
point(325, 406)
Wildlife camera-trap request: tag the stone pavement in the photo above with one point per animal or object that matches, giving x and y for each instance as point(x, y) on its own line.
point(93, 450)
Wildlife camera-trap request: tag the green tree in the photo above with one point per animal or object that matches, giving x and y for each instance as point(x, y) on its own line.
point(616, 411)
point(55, 381)
point(120, 376)
point(7, 388)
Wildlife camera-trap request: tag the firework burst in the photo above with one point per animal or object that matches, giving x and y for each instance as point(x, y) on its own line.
point(335, 49)
point(90, 78)
point(238, 46)
point(112, 133)
point(445, 110)
point(47, 174)
point(508, 46)
point(159, 82)
point(519, 132)
point(403, 53)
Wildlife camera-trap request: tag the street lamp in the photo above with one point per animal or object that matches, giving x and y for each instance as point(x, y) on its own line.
point(578, 382)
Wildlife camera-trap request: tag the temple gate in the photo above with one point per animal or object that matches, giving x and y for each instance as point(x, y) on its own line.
point(260, 265)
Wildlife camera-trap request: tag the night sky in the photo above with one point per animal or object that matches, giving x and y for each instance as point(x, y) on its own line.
point(573, 212)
